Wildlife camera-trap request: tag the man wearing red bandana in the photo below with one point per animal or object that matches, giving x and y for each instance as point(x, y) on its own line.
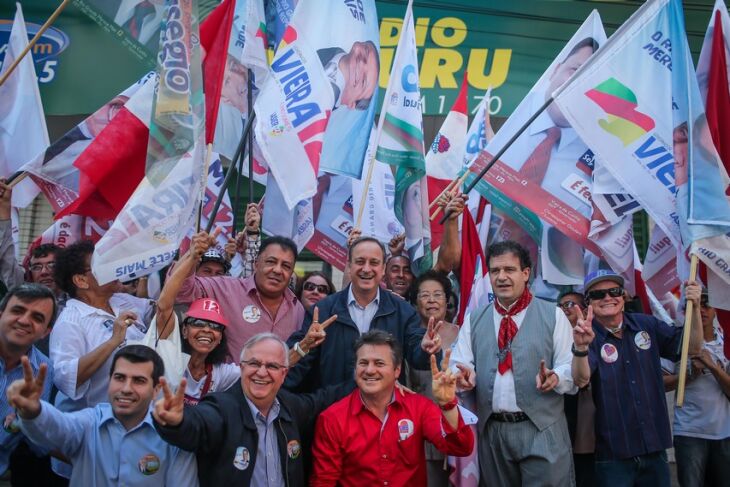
point(516, 354)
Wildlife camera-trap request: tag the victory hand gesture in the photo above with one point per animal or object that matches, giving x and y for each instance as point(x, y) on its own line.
point(169, 410)
point(25, 394)
point(583, 333)
point(431, 342)
point(546, 379)
point(316, 334)
point(443, 381)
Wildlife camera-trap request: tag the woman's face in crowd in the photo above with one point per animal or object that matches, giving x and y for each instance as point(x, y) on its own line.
point(312, 291)
point(431, 301)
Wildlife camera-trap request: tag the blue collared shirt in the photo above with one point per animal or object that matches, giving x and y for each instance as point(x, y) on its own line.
point(267, 468)
point(104, 453)
point(362, 316)
point(10, 435)
point(626, 379)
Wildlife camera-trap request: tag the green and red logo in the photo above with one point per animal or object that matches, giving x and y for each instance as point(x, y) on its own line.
point(623, 119)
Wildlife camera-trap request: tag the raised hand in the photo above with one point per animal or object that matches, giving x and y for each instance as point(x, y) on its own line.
point(230, 248)
point(316, 334)
point(466, 379)
point(202, 241)
point(431, 342)
point(354, 235)
point(546, 379)
point(169, 409)
point(693, 292)
point(6, 194)
point(583, 333)
point(443, 382)
point(253, 218)
point(397, 244)
point(456, 205)
point(25, 394)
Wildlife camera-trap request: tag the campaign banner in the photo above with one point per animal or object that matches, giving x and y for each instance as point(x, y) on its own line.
point(161, 211)
point(543, 180)
point(324, 70)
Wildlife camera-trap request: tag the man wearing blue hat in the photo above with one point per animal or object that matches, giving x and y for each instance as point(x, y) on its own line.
point(619, 354)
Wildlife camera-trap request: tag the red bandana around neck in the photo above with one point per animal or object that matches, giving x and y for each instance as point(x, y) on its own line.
point(508, 329)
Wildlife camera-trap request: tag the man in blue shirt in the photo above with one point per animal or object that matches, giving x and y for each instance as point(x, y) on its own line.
point(619, 354)
point(112, 443)
point(26, 314)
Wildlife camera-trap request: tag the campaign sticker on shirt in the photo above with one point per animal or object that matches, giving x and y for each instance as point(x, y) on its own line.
point(405, 429)
point(609, 353)
point(149, 464)
point(293, 449)
point(242, 458)
point(643, 340)
point(251, 313)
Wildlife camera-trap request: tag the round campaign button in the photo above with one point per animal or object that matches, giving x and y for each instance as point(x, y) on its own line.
point(643, 340)
point(609, 353)
point(293, 449)
point(242, 458)
point(149, 464)
point(251, 313)
point(405, 429)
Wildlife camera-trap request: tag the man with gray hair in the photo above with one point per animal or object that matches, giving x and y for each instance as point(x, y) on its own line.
point(250, 435)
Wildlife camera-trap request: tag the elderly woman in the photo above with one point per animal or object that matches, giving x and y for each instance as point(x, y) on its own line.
point(429, 294)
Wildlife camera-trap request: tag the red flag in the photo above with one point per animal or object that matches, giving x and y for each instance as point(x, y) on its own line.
point(113, 165)
point(717, 107)
point(473, 263)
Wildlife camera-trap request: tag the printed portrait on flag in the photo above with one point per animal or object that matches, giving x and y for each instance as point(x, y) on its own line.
point(548, 170)
point(318, 103)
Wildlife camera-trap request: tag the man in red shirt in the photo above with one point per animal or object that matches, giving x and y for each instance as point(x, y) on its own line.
point(375, 435)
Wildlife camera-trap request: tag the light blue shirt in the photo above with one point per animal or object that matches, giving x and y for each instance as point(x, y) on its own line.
point(267, 467)
point(362, 315)
point(10, 435)
point(104, 453)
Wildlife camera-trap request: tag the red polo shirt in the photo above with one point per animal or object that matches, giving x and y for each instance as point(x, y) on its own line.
point(352, 447)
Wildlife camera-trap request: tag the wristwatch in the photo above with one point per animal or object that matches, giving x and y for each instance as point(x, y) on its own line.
point(578, 353)
point(299, 350)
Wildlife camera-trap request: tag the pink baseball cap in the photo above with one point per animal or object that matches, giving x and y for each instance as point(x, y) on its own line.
point(207, 309)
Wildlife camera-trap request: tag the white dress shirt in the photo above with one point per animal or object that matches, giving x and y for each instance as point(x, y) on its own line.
point(80, 329)
point(503, 397)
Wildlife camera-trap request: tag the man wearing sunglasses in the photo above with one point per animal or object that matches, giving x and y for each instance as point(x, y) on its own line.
point(619, 354)
point(248, 435)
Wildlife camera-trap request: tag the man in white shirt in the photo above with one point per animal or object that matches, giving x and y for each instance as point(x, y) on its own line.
point(517, 353)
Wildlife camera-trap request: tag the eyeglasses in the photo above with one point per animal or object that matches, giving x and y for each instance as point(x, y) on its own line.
point(204, 323)
point(321, 288)
point(567, 305)
point(597, 294)
point(39, 267)
point(436, 296)
point(270, 366)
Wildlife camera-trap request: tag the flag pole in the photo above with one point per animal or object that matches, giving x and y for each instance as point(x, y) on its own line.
point(231, 170)
point(366, 183)
point(501, 151)
point(250, 138)
point(34, 40)
point(204, 185)
point(686, 332)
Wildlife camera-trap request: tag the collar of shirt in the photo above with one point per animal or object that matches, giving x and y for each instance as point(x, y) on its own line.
point(257, 416)
point(357, 405)
point(34, 357)
point(352, 301)
point(626, 324)
point(107, 415)
point(544, 122)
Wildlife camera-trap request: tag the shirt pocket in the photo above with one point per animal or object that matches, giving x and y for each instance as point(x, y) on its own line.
point(411, 450)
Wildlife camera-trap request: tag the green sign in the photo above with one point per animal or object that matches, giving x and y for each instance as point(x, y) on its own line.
point(84, 62)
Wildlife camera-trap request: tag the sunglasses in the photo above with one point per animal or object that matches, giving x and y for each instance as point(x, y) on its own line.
point(597, 294)
point(204, 323)
point(321, 288)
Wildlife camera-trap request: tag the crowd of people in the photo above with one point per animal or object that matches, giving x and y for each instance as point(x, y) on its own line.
point(288, 381)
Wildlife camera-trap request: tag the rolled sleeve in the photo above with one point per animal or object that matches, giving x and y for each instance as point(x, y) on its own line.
point(67, 345)
point(562, 355)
